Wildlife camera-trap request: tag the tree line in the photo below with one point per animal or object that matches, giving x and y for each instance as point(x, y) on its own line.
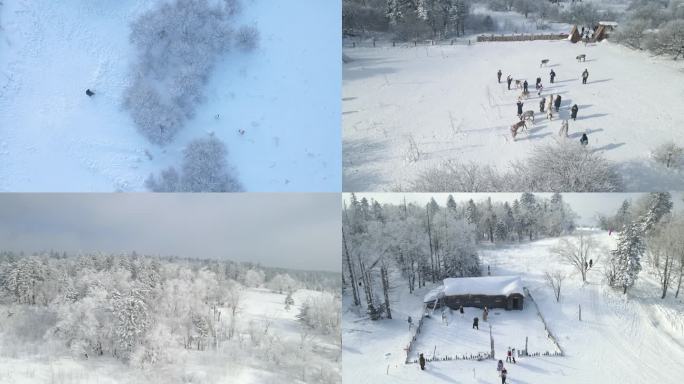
point(427, 243)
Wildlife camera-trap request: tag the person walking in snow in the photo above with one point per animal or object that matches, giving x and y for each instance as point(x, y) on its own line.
point(557, 102)
point(410, 322)
point(552, 75)
point(485, 314)
point(584, 140)
point(476, 323)
point(498, 76)
point(499, 367)
point(508, 355)
point(525, 86)
point(541, 105)
point(573, 112)
point(504, 375)
point(509, 80)
point(513, 356)
point(585, 76)
point(591, 263)
point(421, 360)
point(460, 309)
point(564, 129)
point(540, 88)
point(538, 83)
point(520, 107)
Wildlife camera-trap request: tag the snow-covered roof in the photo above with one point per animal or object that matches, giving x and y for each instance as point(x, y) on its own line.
point(485, 285)
point(609, 23)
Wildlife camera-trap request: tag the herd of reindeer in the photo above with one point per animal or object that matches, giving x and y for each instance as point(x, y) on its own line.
point(529, 114)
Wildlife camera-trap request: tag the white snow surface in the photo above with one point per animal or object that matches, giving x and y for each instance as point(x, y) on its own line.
point(53, 138)
point(483, 285)
point(633, 338)
point(447, 100)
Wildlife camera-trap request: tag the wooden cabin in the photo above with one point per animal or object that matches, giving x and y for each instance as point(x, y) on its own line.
point(504, 292)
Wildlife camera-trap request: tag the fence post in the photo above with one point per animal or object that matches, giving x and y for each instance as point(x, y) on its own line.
point(580, 312)
point(374, 42)
point(491, 340)
point(353, 44)
point(526, 346)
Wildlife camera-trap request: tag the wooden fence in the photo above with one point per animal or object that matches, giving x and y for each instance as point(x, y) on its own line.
point(521, 37)
point(546, 327)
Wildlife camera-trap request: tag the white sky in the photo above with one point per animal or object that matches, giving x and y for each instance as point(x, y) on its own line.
point(290, 230)
point(586, 205)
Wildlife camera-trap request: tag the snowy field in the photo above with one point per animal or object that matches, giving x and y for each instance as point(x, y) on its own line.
point(447, 101)
point(262, 310)
point(619, 340)
point(283, 97)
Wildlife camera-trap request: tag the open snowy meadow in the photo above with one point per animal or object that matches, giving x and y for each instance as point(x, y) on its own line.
point(618, 340)
point(410, 109)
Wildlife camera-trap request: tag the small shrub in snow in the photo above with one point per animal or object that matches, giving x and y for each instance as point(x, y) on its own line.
point(204, 169)
point(566, 166)
point(669, 154)
point(247, 37)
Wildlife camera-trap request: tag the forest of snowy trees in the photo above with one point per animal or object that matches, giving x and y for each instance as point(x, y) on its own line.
point(142, 310)
point(650, 229)
point(425, 244)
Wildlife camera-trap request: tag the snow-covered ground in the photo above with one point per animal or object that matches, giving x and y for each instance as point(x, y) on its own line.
point(637, 338)
point(284, 96)
point(447, 101)
point(261, 307)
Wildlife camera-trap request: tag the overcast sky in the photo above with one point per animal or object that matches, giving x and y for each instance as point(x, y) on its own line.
point(586, 205)
point(290, 230)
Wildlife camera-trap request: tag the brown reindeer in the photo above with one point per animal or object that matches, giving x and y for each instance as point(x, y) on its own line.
point(515, 127)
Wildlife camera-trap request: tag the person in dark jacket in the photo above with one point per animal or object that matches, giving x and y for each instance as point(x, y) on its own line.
point(557, 103)
point(585, 76)
point(498, 75)
point(90, 93)
point(573, 112)
point(525, 86)
point(536, 85)
point(509, 80)
point(476, 323)
point(460, 309)
point(421, 360)
point(504, 374)
point(552, 75)
point(520, 107)
point(541, 104)
point(584, 140)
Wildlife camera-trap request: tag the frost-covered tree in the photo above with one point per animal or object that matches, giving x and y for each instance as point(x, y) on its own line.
point(657, 206)
point(254, 278)
point(282, 282)
point(205, 168)
point(132, 321)
point(626, 257)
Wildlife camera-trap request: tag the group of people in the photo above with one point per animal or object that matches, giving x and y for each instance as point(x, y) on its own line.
point(549, 104)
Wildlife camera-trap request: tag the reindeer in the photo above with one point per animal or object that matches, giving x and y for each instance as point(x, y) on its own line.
point(544, 62)
point(527, 115)
point(524, 94)
point(581, 57)
point(515, 127)
point(519, 83)
point(549, 114)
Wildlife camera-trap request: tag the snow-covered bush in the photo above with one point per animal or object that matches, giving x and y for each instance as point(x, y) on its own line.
point(178, 44)
point(156, 347)
point(247, 37)
point(560, 167)
point(565, 166)
point(204, 169)
point(254, 278)
point(321, 313)
point(669, 154)
point(282, 282)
